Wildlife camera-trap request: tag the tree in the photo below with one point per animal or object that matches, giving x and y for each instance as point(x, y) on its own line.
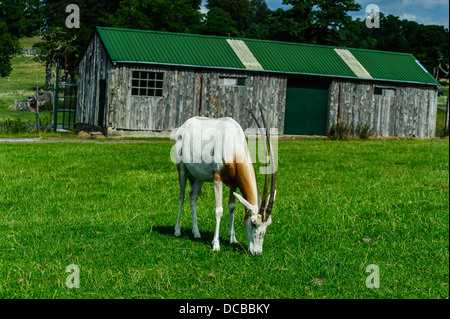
point(239, 10)
point(282, 27)
point(219, 22)
point(315, 21)
point(22, 17)
point(18, 18)
point(159, 15)
point(428, 43)
point(9, 46)
point(331, 16)
point(56, 46)
point(259, 28)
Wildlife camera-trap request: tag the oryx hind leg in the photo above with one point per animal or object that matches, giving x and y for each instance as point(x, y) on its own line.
point(182, 179)
point(218, 191)
point(196, 187)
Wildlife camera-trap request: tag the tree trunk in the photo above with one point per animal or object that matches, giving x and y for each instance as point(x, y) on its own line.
point(48, 76)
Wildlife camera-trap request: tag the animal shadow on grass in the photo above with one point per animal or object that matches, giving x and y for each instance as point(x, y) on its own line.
point(206, 238)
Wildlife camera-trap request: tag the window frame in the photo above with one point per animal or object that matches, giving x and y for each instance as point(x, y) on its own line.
point(147, 83)
point(239, 81)
point(384, 91)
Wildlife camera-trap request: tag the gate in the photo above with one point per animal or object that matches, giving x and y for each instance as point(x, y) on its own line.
point(65, 104)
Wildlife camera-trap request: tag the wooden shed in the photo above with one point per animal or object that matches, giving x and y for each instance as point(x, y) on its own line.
point(135, 82)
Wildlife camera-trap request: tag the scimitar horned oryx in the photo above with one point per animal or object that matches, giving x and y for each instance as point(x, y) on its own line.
point(215, 150)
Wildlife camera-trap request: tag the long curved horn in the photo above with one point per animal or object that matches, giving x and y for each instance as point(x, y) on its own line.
point(272, 185)
point(273, 179)
point(266, 177)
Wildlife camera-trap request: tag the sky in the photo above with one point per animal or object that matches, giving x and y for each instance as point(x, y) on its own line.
point(420, 11)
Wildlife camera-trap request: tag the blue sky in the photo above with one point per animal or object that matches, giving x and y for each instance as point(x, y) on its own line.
point(421, 11)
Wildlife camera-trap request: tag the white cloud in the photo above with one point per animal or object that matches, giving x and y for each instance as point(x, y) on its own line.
point(407, 16)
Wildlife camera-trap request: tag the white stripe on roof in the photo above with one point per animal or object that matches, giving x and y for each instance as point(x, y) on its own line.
point(244, 54)
point(353, 63)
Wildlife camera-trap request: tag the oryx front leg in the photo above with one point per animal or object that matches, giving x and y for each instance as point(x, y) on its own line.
point(196, 187)
point(231, 205)
point(218, 191)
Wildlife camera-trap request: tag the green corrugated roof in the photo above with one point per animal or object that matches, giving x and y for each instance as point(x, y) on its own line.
point(393, 66)
point(125, 45)
point(170, 48)
point(298, 58)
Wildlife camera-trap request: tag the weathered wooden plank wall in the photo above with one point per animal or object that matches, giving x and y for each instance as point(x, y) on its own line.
point(94, 66)
point(267, 91)
point(401, 110)
point(183, 91)
point(145, 113)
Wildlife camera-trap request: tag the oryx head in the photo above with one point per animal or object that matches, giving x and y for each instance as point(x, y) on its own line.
point(257, 217)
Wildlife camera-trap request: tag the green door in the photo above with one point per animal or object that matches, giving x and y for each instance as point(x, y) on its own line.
point(306, 107)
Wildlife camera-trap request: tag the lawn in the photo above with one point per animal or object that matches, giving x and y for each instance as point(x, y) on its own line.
point(110, 209)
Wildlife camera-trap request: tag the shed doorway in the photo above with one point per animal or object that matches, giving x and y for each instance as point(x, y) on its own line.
point(306, 107)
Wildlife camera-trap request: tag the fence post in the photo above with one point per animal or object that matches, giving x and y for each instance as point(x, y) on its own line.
point(55, 104)
point(446, 117)
point(38, 128)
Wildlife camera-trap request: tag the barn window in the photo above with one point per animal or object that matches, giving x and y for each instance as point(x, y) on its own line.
point(384, 91)
point(145, 83)
point(378, 91)
point(232, 81)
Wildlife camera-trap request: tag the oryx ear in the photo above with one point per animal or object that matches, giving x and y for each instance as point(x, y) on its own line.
point(243, 201)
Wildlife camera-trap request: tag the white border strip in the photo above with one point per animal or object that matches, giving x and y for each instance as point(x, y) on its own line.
point(353, 63)
point(244, 54)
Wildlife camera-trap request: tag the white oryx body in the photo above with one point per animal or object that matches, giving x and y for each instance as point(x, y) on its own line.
point(215, 150)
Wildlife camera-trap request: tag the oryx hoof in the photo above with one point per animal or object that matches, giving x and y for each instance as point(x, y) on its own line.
point(196, 234)
point(216, 245)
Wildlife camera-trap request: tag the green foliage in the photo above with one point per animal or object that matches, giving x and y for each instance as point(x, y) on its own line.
point(240, 11)
point(18, 18)
point(428, 43)
point(9, 46)
point(441, 129)
point(159, 15)
point(363, 131)
point(341, 131)
point(13, 126)
point(23, 17)
point(318, 21)
point(56, 44)
point(17, 125)
point(219, 22)
point(38, 44)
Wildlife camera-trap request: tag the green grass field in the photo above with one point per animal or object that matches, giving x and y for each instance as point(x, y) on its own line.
point(21, 82)
point(19, 85)
point(110, 208)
